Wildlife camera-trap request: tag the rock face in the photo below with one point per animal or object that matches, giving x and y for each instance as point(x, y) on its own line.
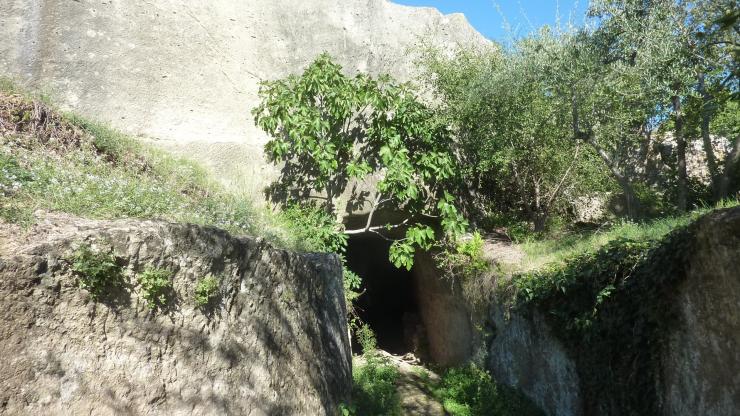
point(186, 74)
point(525, 354)
point(444, 314)
point(701, 368)
point(275, 342)
point(700, 363)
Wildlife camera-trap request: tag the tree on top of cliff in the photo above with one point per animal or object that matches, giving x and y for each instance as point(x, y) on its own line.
point(329, 130)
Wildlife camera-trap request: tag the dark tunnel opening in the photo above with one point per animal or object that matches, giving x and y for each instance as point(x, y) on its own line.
point(388, 303)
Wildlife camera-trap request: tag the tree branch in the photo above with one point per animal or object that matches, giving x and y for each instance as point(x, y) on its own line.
point(376, 228)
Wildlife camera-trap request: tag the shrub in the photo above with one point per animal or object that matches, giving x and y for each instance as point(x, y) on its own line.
point(374, 388)
point(156, 285)
point(206, 291)
point(314, 229)
point(97, 272)
point(365, 336)
point(470, 391)
point(465, 260)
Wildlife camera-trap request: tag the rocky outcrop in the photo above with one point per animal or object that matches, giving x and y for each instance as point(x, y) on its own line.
point(525, 354)
point(701, 367)
point(699, 359)
point(445, 316)
point(274, 343)
point(186, 74)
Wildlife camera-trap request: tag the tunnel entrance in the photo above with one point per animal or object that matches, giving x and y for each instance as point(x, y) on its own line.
point(388, 304)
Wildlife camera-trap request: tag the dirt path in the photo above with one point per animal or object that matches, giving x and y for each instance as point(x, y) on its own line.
point(414, 387)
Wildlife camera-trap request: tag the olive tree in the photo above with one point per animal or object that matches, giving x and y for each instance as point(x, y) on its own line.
point(509, 123)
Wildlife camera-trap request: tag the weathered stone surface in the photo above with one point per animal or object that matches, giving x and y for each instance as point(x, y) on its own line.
point(186, 73)
point(276, 342)
point(700, 362)
point(444, 313)
point(525, 354)
point(701, 368)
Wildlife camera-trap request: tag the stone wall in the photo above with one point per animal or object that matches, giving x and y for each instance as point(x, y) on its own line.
point(444, 313)
point(185, 74)
point(524, 353)
point(275, 343)
point(701, 368)
point(700, 362)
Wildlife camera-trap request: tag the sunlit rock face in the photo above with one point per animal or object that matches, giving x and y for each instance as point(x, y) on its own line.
point(699, 362)
point(273, 343)
point(186, 74)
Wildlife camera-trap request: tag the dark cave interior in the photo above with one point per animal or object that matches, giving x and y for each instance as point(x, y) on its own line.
point(388, 303)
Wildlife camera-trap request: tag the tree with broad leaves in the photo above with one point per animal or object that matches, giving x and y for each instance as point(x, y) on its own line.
point(329, 131)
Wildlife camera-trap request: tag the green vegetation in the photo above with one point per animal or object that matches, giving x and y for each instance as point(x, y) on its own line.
point(613, 308)
point(62, 162)
point(328, 130)
point(611, 107)
point(465, 260)
point(156, 287)
point(97, 272)
point(206, 291)
point(470, 391)
point(560, 246)
point(374, 390)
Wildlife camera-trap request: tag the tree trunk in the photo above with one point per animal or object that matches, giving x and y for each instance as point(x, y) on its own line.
point(730, 166)
point(680, 155)
point(539, 217)
point(540, 221)
point(706, 116)
point(633, 205)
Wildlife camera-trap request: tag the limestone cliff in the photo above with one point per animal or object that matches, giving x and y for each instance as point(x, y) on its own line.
point(186, 73)
point(275, 343)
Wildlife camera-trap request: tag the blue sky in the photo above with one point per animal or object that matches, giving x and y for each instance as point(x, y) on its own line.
point(523, 16)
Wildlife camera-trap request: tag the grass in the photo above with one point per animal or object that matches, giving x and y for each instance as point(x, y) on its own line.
point(55, 161)
point(374, 391)
point(558, 249)
point(471, 391)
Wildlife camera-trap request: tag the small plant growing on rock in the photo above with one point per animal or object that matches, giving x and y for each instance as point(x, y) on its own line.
point(366, 337)
point(97, 272)
point(206, 291)
point(156, 285)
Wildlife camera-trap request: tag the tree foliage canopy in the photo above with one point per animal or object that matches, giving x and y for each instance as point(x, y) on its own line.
point(330, 131)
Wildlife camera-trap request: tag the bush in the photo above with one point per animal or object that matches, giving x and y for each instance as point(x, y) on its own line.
point(365, 336)
point(470, 391)
point(206, 291)
point(157, 286)
point(314, 229)
point(97, 272)
point(374, 388)
point(466, 260)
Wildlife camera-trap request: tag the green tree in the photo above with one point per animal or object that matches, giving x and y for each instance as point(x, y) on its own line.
point(510, 125)
point(330, 131)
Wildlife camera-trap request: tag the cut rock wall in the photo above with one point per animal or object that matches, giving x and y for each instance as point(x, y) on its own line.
point(700, 363)
point(186, 73)
point(275, 343)
point(701, 369)
point(525, 354)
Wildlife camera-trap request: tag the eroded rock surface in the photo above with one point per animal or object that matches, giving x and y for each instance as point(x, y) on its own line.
point(699, 363)
point(525, 354)
point(187, 73)
point(275, 342)
point(701, 368)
